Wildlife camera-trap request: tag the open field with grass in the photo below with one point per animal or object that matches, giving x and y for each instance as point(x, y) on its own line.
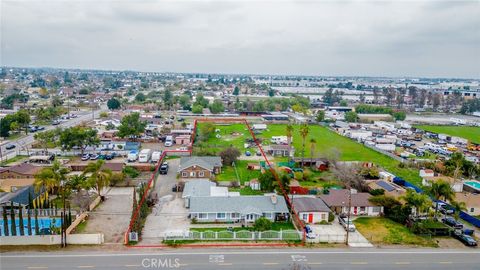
point(470, 133)
point(384, 231)
point(12, 160)
point(328, 143)
point(228, 172)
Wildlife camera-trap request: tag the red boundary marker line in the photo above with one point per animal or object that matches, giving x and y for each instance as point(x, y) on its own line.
point(190, 149)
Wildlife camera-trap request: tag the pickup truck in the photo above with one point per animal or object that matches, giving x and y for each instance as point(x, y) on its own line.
point(348, 226)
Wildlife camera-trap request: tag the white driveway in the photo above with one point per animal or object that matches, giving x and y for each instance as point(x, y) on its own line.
point(335, 233)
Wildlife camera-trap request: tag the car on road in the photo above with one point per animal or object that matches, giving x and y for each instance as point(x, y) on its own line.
point(39, 128)
point(94, 157)
point(450, 221)
point(467, 240)
point(85, 157)
point(163, 168)
point(10, 146)
point(55, 122)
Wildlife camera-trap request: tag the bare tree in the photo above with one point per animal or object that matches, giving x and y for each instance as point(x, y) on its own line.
point(348, 173)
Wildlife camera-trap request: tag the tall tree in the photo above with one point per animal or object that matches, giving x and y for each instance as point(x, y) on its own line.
point(289, 131)
point(313, 145)
point(440, 190)
point(99, 176)
point(20, 220)
point(419, 202)
point(48, 178)
point(13, 225)
point(304, 130)
point(80, 137)
point(5, 222)
point(131, 126)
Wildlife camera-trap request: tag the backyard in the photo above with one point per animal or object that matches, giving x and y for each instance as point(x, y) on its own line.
point(384, 231)
point(470, 133)
point(327, 142)
point(228, 172)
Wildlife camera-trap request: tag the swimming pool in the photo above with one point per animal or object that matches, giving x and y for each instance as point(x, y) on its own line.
point(42, 223)
point(473, 184)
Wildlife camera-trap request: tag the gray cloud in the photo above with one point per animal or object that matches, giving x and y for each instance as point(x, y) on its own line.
point(420, 38)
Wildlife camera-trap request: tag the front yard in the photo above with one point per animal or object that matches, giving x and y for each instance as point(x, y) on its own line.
point(383, 231)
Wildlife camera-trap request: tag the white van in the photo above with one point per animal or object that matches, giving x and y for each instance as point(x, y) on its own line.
point(132, 156)
point(145, 155)
point(279, 139)
point(169, 141)
point(156, 156)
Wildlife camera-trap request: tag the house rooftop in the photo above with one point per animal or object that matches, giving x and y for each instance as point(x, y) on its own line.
point(238, 204)
point(307, 204)
point(22, 168)
point(339, 197)
point(205, 162)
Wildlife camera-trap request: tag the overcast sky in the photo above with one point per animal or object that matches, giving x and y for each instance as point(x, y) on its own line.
point(410, 38)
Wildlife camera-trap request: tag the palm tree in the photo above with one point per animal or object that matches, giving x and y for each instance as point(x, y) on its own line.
point(440, 190)
point(417, 201)
point(304, 130)
point(458, 207)
point(289, 132)
point(100, 177)
point(50, 177)
point(313, 145)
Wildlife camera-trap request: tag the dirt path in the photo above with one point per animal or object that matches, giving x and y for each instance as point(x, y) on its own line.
point(112, 216)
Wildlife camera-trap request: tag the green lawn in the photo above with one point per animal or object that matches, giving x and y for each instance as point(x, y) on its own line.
point(470, 133)
point(14, 159)
point(246, 191)
point(228, 172)
point(384, 231)
point(276, 226)
point(328, 142)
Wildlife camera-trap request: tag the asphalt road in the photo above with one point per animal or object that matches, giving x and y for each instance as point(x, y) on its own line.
point(294, 259)
point(25, 141)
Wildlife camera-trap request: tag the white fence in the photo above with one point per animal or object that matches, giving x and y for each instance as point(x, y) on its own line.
point(337, 238)
point(72, 239)
point(235, 235)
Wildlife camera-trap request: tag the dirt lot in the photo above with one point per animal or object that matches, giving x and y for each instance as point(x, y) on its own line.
point(113, 215)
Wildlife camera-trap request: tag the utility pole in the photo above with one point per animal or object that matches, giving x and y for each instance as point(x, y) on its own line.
point(348, 213)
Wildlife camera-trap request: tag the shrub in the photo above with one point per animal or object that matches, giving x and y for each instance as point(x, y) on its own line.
point(117, 177)
point(131, 171)
point(229, 155)
point(375, 192)
point(331, 217)
point(262, 224)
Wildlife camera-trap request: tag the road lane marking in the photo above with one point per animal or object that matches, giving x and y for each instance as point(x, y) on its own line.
point(402, 263)
point(85, 266)
point(444, 262)
point(314, 263)
point(225, 264)
point(132, 265)
point(37, 267)
point(358, 263)
point(270, 263)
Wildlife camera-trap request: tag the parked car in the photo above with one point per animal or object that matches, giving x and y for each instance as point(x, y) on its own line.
point(163, 168)
point(101, 156)
point(10, 146)
point(94, 157)
point(247, 153)
point(39, 128)
point(467, 240)
point(347, 224)
point(452, 222)
point(85, 157)
point(55, 122)
point(445, 209)
point(109, 156)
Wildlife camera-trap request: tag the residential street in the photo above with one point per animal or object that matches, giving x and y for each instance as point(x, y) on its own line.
point(29, 139)
point(249, 259)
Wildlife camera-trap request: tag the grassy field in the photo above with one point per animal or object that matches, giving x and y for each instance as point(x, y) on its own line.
point(12, 160)
point(470, 133)
point(328, 142)
point(228, 172)
point(384, 231)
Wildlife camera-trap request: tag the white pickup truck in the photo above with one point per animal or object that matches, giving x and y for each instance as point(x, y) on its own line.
point(349, 226)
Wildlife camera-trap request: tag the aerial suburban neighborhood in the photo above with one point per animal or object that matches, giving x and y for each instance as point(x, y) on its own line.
point(110, 161)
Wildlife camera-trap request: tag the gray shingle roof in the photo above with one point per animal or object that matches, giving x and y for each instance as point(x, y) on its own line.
point(237, 204)
point(197, 188)
point(307, 204)
point(205, 162)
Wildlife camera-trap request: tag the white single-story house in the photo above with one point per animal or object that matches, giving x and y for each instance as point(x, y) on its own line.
point(311, 210)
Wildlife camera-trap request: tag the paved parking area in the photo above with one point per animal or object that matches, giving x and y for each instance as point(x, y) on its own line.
point(335, 233)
